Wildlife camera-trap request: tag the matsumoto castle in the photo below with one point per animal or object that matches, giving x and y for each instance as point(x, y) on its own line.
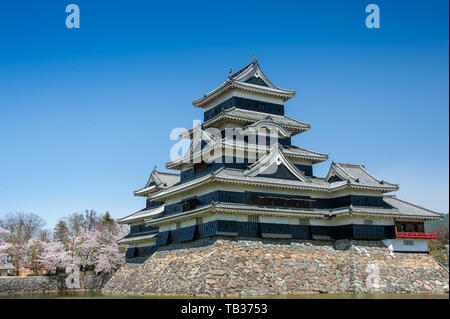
point(242, 177)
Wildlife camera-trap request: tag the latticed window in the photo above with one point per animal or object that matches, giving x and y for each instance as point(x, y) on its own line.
point(253, 219)
point(279, 201)
point(368, 222)
point(303, 221)
point(408, 242)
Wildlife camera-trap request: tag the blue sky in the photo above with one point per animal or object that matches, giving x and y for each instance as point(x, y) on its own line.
point(86, 113)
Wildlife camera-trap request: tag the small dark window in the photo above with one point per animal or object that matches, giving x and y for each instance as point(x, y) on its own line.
point(189, 204)
point(200, 167)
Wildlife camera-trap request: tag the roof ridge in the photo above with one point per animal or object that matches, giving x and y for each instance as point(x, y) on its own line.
point(233, 75)
point(351, 165)
point(168, 173)
point(304, 149)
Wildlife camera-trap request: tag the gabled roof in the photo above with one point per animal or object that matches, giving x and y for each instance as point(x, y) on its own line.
point(248, 117)
point(269, 164)
point(250, 72)
point(199, 135)
point(226, 143)
point(158, 181)
point(356, 175)
point(236, 176)
point(250, 78)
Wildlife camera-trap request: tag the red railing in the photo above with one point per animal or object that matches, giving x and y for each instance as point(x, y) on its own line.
point(417, 235)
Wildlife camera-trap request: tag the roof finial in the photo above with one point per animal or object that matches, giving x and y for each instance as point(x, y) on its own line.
point(254, 58)
point(230, 72)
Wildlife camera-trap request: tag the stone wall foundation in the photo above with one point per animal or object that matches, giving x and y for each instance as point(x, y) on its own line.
point(244, 267)
point(44, 284)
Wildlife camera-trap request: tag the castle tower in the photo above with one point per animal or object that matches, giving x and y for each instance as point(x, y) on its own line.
point(242, 177)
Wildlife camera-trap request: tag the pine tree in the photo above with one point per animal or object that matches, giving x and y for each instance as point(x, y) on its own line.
point(107, 218)
point(61, 232)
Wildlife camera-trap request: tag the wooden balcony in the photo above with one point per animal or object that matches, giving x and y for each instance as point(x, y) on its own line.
point(417, 235)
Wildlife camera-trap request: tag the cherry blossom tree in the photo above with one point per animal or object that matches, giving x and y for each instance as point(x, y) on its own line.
point(99, 248)
point(22, 227)
point(110, 255)
point(93, 242)
point(34, 249)
point(4, 245)
point(86, 245)
point(54, 256)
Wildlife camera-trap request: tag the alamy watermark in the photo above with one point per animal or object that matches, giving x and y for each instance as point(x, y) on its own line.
point(73, 19)
point(373, 19)
point(373, 279)
point(73, 276)
point(229, 145)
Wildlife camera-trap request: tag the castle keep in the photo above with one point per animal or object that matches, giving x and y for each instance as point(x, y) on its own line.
point(243, 179)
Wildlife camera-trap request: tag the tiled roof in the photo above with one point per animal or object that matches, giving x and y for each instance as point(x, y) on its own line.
point(237, 176)
point(409, 209)
point(241, 208)
point(239, 80)
point(251, 117)
point(397, 211)
point(140, 215)
point(169, 179)
point(304, 153)
point(158, 181)
point(357, 175)
point(128, 240)
point(314, 184)
point(288, 151)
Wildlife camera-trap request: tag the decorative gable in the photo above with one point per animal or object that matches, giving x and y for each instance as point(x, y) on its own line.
point(252, 74)
point(250, 79)
point(278, 171)
point(275, 165)
point(257, 81)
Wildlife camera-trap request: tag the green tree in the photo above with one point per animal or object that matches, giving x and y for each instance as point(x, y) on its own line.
point(61, 232)
point(107, 218)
